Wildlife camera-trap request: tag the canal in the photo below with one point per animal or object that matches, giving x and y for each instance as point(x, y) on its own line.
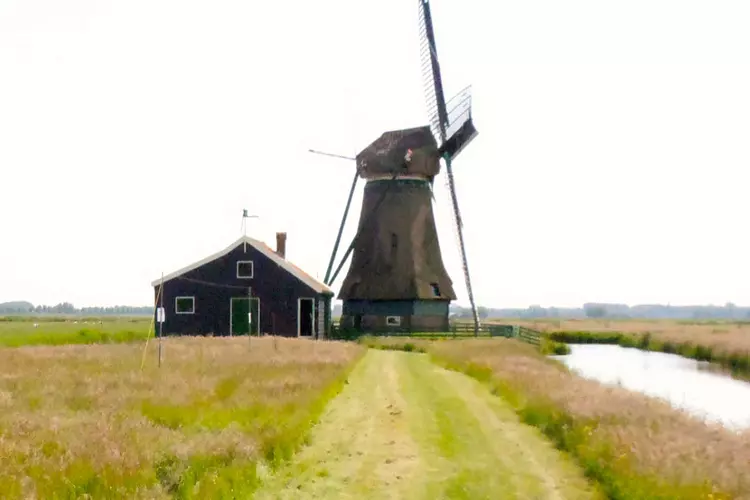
point(684, 383)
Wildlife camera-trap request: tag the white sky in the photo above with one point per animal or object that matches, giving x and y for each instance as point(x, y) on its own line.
point(611, 162)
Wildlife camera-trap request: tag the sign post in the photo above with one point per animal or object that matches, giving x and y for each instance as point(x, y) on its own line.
point(161, 315)
point(249, 317)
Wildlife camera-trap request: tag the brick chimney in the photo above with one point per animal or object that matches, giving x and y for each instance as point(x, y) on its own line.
point(281, 245)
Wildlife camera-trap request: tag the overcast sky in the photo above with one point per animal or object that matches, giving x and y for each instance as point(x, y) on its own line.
point(611, 162)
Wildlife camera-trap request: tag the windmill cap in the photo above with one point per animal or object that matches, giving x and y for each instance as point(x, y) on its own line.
point(390, 153)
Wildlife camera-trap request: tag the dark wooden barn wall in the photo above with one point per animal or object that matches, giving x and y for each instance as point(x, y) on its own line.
point(277, 289)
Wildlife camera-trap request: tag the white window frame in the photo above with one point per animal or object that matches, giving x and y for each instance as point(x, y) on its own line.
point(396, 319)
point(252, 269)
point(192, 299)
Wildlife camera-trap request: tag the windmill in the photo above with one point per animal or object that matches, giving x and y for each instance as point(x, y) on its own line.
point(396, 279)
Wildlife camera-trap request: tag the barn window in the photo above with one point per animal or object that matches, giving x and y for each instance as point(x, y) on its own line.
point(245, 269)
point(435, 289)
point(184, 305)
point(393, 320)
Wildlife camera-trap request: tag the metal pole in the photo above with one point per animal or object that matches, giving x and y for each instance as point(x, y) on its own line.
point(341, 228)
point(161, 323)
point(362, 226)
point(331, 154)
point(459, 228)
point(346, 210)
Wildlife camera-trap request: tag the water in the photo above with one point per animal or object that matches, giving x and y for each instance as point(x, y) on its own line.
point(683, 382)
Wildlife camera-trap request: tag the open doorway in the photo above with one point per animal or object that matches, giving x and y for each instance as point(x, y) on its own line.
point(305, 317)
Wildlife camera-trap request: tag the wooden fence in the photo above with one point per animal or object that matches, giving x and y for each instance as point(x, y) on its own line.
point(457, 330)
point(528, 335)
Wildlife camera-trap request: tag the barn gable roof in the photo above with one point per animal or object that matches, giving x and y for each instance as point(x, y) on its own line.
point(295, 271)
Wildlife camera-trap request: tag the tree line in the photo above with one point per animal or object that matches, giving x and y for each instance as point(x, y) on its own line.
point(27, 308)
point(728, 311)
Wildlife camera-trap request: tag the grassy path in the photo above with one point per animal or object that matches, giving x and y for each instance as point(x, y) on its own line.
point(405, 428)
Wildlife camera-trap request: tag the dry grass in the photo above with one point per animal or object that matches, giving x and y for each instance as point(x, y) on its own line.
point(723, 336)
point(79, 420)
point(637, 446)
point(633, 445)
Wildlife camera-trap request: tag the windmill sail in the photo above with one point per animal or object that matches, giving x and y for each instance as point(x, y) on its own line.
point(433, 83)
point(460, 130)
point(451, 136)
point(451, 123)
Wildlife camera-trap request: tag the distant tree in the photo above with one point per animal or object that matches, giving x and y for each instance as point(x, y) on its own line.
point(595, 311)
point(536, 311)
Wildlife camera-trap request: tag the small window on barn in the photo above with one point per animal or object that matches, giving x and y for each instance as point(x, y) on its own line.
point(393, 320)
point(435, 289)
point(245, 269)
point(184, 305)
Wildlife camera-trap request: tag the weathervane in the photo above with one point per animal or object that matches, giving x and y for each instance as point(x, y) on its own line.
point(243, 228)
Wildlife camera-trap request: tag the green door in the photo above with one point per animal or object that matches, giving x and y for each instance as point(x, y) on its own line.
point(245, 316)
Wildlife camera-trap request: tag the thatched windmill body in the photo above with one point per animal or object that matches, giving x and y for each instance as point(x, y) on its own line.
point(396, 279)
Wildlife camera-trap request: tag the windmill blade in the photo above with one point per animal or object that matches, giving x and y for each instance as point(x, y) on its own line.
point(461, 134)
point(451, 123)
point(433, 82)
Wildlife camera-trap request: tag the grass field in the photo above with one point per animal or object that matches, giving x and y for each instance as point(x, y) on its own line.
point(82, 420)
point(85, 420)
point(23, 331)
point(635, 446)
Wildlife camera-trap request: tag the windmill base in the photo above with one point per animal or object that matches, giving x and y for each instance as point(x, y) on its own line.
point(395, 316)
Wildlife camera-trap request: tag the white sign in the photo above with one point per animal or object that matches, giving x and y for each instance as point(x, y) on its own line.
point(160, 315)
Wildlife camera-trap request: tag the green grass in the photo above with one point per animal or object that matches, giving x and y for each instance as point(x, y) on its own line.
point(405, 428)
point(21, 331)
point(574, 428)
point(633, 446)
point(546, 344)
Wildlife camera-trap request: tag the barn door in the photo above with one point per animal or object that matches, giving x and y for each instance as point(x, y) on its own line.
point(244, 315)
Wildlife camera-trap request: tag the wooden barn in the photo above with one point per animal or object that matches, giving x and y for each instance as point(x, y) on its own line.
point(245, 288)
